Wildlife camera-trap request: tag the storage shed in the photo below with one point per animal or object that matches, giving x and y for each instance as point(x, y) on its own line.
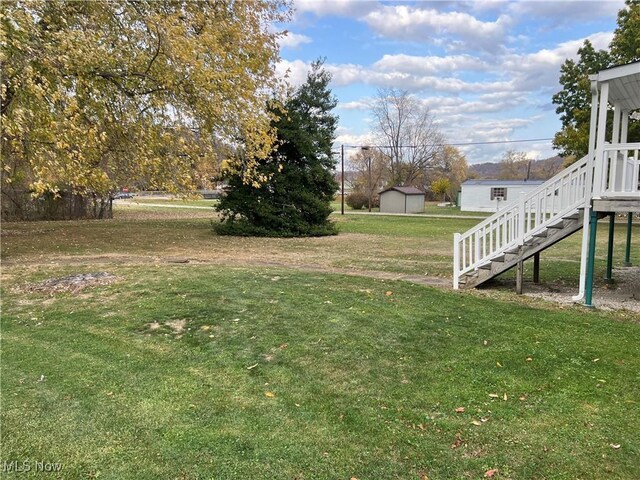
point(402, 200)
point(491, 195)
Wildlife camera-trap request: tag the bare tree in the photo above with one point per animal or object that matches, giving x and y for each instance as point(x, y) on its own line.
point(371, 169)
point(514, 166)
point(407, 132)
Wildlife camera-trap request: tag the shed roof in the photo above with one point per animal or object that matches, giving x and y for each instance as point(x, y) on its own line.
point(404, 190)
point(503, 183)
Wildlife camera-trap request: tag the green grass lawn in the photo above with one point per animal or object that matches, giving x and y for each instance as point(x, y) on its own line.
point(187, 202)
point(430, 208)
point(283, 374)
point(257, 360)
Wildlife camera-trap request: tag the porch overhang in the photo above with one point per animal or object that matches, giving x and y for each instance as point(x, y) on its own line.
point(624, 85)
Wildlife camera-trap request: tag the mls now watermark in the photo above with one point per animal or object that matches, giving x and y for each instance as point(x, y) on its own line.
point(20, 466)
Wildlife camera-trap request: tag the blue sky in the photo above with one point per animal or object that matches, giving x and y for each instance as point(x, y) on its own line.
point(486, 69)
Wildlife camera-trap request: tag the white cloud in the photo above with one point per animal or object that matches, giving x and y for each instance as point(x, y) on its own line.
point(355, 105)
point(563, 12)
point(517, 77)
point(294, 71)
point(349, 74)
point(424, 24)
point(348, 8)
point(292, 40)
point(541, 69)
point(429, 65)
point(487, 5)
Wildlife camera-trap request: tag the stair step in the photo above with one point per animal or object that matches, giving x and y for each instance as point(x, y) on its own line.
point(542, 234)
point(559, 225)
point(473, 274)
point(498, 259)
point(486, 266)
point(574, 216)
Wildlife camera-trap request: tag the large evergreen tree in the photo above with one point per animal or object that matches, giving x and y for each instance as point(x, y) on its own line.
point(574, 100)
point(294, 198)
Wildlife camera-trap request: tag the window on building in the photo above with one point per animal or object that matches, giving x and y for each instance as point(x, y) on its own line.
point(498, 192)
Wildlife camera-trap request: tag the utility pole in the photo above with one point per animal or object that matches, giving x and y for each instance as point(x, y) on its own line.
point(342, 203)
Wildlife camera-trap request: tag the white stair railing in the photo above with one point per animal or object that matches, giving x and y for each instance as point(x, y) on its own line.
point(521, 219)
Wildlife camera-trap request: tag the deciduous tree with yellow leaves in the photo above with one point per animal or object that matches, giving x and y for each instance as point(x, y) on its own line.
point(101, 94)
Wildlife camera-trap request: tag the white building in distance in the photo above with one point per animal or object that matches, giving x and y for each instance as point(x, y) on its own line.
point(491, 195)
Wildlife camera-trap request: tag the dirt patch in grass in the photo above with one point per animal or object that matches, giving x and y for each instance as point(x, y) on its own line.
point(71, 283)
point(177, 325)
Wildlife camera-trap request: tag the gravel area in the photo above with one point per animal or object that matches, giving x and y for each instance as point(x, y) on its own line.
point(622, 294)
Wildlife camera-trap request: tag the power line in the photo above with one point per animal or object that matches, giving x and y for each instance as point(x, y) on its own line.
point(457, 144)
point(497, 142)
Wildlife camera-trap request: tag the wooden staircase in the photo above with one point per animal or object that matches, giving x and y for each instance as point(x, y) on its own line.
point(538, 242)
point(546, 215)
point(524, 227)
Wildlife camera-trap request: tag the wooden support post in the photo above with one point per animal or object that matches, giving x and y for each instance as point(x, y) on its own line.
point(519, 276)
point(608, 278)
point(627, 251)
point(536, 268)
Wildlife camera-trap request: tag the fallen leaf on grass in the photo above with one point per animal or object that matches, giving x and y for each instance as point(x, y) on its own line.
point(505, 398)
point(252, 366)
point(490, 473)
point(460, 410)
point(529, 359)
point(458, 441)
point(388, 293)
point(499, 364)
point(269, 394)
point(615, 446)
point(494, 395)
point(477, 423)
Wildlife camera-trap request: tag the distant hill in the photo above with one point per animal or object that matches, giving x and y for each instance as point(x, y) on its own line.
point(539, 169)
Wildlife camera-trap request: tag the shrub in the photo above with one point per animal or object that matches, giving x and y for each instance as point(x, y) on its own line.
point(356, 200)
point(359, 200)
